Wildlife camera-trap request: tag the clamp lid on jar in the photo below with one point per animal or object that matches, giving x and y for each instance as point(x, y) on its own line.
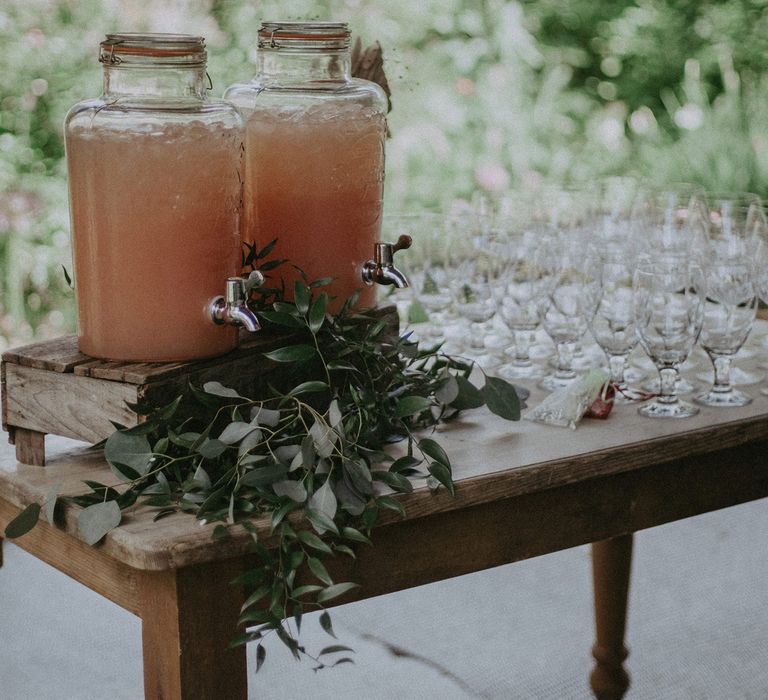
point(304, 36)
point(157, 49)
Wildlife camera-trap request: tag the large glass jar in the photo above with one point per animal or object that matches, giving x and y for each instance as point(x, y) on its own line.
point(155, 202)
point(314, 172)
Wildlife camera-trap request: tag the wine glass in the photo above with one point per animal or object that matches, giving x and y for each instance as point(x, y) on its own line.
point(567, 308)
point(519, 247)
point(613, 324)
point(668, 314)
point(729, 311)
point(428, 265)
point(471, 282)
point(671, 220)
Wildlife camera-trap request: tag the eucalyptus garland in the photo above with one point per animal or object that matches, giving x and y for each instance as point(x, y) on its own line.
point(311, 455)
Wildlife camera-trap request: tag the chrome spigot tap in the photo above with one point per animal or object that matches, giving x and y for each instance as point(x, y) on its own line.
point(381, 269)
point(232, 308)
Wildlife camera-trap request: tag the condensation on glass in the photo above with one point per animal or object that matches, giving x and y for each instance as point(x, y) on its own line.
point(155, 173)
point(314, 172)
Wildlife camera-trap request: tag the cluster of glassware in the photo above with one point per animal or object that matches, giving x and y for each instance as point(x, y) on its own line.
point(662, 268)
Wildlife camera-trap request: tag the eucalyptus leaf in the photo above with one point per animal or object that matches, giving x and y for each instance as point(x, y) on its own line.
point(292, 489)
point(23, 522)
point(359, 475)
point(218, 389)
point(334, 414)
point(49, 505)
point(324, 501)
point(336, 590)
point(281, 319)
point(285, 453)
point(305, 590)
point(411, 405)
point(320, 521)
point(404, 463)
point(301, 296)
point(324, 438)
point(448, 391)
point(355, 535)
point(250, 441)
point(501, 398)
point(235, 432)
point(211, 449)
point(469, 395)
point(311, 387)
point(264, 476)
point(292, 353)
point(265, 416)
point(316, 315)
point(443, 474)
point(432, 449)
point(134, 451)
point(97, 520)
point(318, 569)
point(312, 540)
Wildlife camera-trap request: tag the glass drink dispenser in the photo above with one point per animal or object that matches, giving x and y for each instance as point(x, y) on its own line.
point(314, 173)
point(155, 172)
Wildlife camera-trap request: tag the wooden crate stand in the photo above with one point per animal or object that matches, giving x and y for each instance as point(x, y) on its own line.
point(52, 388)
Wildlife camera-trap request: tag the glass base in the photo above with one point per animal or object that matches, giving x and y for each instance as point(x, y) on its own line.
point(552, 382)
point(532, 371)
point(683, 386)
point(679, 409)
point(723, 399)
point(739, 377)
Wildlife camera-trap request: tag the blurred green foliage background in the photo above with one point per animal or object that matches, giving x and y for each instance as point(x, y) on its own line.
point(487, 96)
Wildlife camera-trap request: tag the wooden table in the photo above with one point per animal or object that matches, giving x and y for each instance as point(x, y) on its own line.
point(523, 490)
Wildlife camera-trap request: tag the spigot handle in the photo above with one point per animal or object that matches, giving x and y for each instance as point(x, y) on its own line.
point(403, 243)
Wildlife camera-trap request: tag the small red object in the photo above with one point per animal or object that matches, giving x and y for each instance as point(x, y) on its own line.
point(602, 405)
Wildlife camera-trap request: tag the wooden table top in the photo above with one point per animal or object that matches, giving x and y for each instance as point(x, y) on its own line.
point(492, 460)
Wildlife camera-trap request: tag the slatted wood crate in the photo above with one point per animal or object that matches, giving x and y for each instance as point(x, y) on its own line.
point(52, 388)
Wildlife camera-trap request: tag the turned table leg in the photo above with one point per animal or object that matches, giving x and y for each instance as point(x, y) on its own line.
point(611, 560)
point(188, 617)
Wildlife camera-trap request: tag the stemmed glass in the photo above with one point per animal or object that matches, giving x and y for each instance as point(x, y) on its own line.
point(567, 308)
point(671, 221)
point(471, 285)
point(613, 325)
point(428, 265)
point(729, 311)
point(668, 313)
point(522, 282)
point(734, 225)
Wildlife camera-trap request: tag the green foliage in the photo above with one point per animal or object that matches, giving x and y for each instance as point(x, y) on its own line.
point(310, 458)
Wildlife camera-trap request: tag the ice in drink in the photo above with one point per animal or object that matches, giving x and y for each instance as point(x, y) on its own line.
point(314, 180)
point(155, 218)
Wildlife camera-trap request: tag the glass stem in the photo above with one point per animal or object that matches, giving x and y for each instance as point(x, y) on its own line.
point(522, 347)
point(565, 361)
point(477, 335)
point(617, 365)
point(722, 366)
point(668, 379)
